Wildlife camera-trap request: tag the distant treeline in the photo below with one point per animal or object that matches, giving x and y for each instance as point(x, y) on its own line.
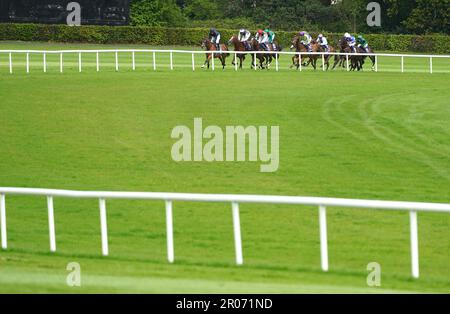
point(397, 16)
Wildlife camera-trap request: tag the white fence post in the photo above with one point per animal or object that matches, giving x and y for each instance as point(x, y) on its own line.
point(79, 62)
point(61, 66)
point(51, 224)
point(45, 62)
point(277, 67)
point(300, 62)
point(154, 61)
point(323, 237)
point(28, 62)
point(403, 64)
point(213, 62)
point(171, 60)
point(3, 221)
point(97, 61)
point(133, 58)
point(235, 61)
point(117, 61)
point(431, 65)
point(103, 227)
point(237, 233)
point(348, 64)
point(193, 61)
point(376, 63)
point(255, 61)
point(414, 244)
point(169, 228)
point(323, 62)
point(10, 63)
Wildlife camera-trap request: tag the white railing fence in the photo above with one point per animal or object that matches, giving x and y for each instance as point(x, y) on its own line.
point(153, 52)
point(234, 200)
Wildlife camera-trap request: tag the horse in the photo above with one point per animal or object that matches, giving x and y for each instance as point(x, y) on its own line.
point(209, 46)
point(372, 58)
point(238, 46)
point(327, 57)
point(262, 57)
point(354, 59)
point(299, 47)
point(275, 48)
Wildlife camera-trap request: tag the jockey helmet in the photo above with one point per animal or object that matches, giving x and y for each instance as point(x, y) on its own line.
point(302, 33)
point(260, 31)
point(242, 31)
point(347, 35)
point(360, 37)
point(320, 35)
point(212, 30)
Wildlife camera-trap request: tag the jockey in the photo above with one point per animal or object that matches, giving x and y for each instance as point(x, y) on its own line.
point(306, 40)
point(362, 43)
point(271, 37)
point(262, 38)
point(351, 41)
point(214, 36)
point(323, 42)
point(244, 36)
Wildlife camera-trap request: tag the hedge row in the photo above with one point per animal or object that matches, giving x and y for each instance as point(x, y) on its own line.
point(192, 36)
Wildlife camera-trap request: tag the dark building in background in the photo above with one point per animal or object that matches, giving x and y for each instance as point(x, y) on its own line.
point(96, 12)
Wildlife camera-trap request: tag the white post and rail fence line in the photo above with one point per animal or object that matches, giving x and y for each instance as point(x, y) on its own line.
point(322, 203)
point(153, 52)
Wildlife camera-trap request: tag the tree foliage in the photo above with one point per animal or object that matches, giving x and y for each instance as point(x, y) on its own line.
point(398, 16)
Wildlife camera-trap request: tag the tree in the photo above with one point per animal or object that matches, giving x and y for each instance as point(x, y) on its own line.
point(429, 16)
point(156, 13)
point(201, 9)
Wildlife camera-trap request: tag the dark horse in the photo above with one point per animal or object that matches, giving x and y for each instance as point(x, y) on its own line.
point(327, 56)
point(238, 46)
point(299, 47)
point(355, 61)
point(363, 52)
point(209, 46)
point(262, 57)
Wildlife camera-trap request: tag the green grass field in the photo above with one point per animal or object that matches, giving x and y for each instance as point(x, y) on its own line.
point(382, 135)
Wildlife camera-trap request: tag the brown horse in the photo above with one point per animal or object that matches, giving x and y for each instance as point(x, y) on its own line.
point(262, 57)
point(209, 46)
point(355, 60)
point(372, 58)
point(238, 46)
point(275, 48)
point(299, 47)
point(327, 57)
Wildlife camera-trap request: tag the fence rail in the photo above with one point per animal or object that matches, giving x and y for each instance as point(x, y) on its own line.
point(234, 200)
point(133, 52)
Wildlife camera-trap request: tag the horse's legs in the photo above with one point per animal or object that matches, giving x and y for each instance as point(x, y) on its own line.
point(269, 61)
point(261, 61)
point(372, 58)
point(293, 62)
point(313, 63)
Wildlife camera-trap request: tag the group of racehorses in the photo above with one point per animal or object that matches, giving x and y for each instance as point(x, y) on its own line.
point(307, 55)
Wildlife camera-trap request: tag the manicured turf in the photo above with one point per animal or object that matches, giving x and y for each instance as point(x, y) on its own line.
point(359, 135)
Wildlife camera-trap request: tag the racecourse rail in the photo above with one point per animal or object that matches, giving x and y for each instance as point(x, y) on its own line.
point(234, 200)
point(301, 55)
